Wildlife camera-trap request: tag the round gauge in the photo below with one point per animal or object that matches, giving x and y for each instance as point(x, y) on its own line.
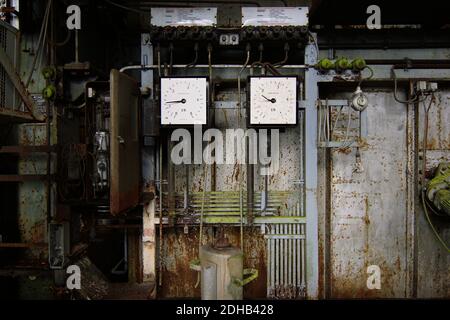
point(183, 101)
point(273, 100)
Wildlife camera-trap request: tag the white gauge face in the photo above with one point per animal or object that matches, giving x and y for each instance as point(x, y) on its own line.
point(273, 100)
point(183, 101)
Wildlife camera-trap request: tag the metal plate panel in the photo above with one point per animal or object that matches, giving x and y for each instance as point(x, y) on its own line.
point(174, 17)
point(273, 16)
point(433, 265)
point(368, 209)
point(125, 158)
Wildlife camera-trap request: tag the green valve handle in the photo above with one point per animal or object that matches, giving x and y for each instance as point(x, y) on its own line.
point(251, 274)
point(359, 64)
point(325, 64)
point(342, 64)
point(49, 92)
point(48, 73)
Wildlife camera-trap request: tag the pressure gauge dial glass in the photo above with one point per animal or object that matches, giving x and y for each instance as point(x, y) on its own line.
point(183, 101)
point(273, 100)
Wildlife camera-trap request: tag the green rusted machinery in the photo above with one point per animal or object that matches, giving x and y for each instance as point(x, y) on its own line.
point(438, 189)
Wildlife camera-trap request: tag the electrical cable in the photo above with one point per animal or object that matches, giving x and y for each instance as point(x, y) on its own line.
point(319, 108)
point(347, 143)
point(202, 210)
point(436, 234)
point(193, 63)
point(316, 45)
point(286, 56)
point(41, 41)
point(268, 66)
point(261, 52)
point(241, 216)
point(62, 43)
point(171, 57)
point(158, 56)
point(240, 115)
point(337, 118)
point(367, 78)
point(414, 99)
point(425, 139)
point(239, 80)
point(125, 7)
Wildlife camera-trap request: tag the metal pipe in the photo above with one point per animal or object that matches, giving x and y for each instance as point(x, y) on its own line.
point(76, 46)
point(213, 120)
point(289, 255)
point(285, 255)
point(295, 253)
point(272, 260)
point(158, 56)
point(171, 181)
point(277, 257)
point(269, 264)
point(241, 226)
point(206, 66)
point(250, 185)
point(160, 211)
point(49, 164)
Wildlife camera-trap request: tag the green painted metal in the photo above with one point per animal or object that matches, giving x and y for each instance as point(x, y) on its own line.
point(252, 274)
point(325, 64)
point(49, 73)
point(342, 64)
point(358, 64)
point(49, 92)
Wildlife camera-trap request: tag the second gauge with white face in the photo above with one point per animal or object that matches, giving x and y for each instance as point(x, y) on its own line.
point(184, 101)
point(273, 101)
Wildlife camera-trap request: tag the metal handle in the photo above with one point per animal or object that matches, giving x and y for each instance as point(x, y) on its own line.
point(252, 275)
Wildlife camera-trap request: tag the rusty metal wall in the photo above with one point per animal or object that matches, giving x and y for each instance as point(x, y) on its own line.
point(32, 198)
point(178, 280)
point(180, 248)
point(433, 264)
point(372, 215)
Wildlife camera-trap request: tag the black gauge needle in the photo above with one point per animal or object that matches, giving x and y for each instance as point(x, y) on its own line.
point(273, 100)
point(177, 101)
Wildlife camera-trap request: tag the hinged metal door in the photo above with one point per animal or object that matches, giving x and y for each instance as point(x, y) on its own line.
point(125, 159)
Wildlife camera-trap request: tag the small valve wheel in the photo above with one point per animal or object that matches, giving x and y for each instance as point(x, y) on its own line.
point(359, 100)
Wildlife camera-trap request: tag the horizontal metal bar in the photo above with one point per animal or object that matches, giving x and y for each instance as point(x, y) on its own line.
point(16, 115)
point(10, 272)
point(338, 144)
point(334, 102)
point(237, 220)
point(233, 105)
point(205, 66)
point(384, 73)
point(119, 226)
point(25, 149)
point(23, 178)
point(284, 236)
point(23, 245)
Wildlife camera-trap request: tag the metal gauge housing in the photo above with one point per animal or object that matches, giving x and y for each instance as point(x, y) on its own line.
point(184, 101)
point(273, 101)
